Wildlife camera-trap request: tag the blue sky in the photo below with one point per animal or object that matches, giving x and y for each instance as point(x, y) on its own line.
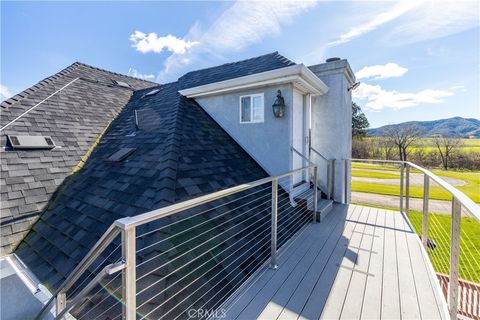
point(416, 60)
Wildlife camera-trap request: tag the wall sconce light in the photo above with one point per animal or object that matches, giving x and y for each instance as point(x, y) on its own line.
point(279, 106)
point(354, 86)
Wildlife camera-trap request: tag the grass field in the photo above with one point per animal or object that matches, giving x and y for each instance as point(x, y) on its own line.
point(439, 231)
point(471, 189)
point(428, 144)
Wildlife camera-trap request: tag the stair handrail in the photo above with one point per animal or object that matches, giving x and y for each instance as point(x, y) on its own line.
point(104, 241)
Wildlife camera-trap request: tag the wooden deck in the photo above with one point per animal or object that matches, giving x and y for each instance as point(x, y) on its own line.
point(359, 262)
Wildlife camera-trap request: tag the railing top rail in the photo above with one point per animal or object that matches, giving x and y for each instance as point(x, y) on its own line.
point(302, 155)
point(319, 154)
point(129, 222)
point(466, 202)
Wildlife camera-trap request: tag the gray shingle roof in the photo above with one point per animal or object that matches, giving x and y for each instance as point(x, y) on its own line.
point(74, 117)
point(180, 153)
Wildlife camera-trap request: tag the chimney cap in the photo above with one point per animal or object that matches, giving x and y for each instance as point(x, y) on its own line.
point(332, 59)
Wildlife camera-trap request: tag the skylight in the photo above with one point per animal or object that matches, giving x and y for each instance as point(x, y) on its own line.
point(31, 142)
point(121, 154)
point(121, 83)
point(151, 93)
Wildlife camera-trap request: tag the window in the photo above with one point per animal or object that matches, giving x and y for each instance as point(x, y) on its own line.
point(251, 108)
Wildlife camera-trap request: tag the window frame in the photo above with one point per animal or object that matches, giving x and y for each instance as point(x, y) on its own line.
point(251, 96)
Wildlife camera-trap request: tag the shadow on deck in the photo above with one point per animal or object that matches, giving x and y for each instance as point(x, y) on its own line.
point(359, 262)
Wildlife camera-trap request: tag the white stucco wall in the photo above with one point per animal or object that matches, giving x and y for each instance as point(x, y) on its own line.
point(332, 119)
point(268, 142)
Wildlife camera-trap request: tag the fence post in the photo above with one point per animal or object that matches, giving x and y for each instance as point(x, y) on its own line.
point(273, 258)
point(315, 195)
point(426, 187)
point(129, 278)
point(61, 302)
point(402, 174)
point(454, 254)
point(407, 189)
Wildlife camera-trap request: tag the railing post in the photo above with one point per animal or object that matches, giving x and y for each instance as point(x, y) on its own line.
point(346, 181)
point(402, 173)
point(426, 188)
point(407, 189)
point(332, 193)
point(129, 278)
point(315, 194)
point(61, 302)
point(273, 257)
point(454, 256)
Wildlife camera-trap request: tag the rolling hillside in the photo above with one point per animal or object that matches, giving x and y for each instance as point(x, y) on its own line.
point(455, 127)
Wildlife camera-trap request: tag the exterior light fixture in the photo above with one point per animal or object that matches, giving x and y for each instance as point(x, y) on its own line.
point(354, 86)
point(279, 106)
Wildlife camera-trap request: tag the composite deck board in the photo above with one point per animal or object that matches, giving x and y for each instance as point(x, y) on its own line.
point(390, 292)
point(358, 263)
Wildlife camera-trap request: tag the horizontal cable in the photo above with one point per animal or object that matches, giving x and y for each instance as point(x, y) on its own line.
point(183, 243)
point(200, 224)
point(96, 269)
point(200, 213)
point(108, 295)
point(203, 264)
point(265, 250)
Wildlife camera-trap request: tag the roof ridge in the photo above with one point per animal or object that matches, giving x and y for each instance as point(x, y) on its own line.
point(78, 63)
point(230, 63)
point(34, 88)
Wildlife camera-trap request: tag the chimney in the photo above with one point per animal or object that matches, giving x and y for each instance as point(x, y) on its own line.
point(332, 120)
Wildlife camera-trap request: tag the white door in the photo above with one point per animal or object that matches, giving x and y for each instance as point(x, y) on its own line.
point(298, 141)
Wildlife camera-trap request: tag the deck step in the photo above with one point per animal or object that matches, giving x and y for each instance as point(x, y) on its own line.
point(324, 206)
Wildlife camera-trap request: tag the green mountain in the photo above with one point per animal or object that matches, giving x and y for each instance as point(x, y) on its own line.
point(452, 127)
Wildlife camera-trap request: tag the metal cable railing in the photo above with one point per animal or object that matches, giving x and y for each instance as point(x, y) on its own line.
point(192, 254)
point(446, 220)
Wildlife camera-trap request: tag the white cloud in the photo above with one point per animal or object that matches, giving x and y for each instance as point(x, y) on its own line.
point(410, 21)
point(241, 25)
point(5, 92)
point(376, 21)
point(378, 98)
point(389, 70)
point(435, 19)
point(153, 43)
point(134, 73)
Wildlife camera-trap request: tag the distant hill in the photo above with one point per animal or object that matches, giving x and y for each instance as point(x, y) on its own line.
point(452, 127)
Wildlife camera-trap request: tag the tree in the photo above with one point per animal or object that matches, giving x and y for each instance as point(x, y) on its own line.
point(447, 147)
point(359, 121)
point(402, 137)
point(387, 146)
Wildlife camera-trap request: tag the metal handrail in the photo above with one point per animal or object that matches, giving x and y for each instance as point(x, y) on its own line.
point(127, 226)
point(188, 204)
point(459, 200)
point(330, 173)
point(93, 254)
point(106, 271)
point(466, 202)
point(302, 155)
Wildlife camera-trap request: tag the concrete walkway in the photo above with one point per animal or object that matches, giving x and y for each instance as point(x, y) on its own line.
point(379, 200)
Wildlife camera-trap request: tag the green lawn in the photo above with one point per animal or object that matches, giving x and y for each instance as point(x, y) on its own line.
point(471, 189)
point(439, 231)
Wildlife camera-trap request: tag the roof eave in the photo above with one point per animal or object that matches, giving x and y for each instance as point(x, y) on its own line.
point(302, 78)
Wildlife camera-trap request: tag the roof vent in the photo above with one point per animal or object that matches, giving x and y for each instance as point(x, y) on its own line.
point(121, 154)
point(31, 142)
point(121, 84)
point(332, 59)
point(151, 93)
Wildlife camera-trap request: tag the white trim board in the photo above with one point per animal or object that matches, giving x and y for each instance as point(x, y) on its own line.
point(299, 75)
